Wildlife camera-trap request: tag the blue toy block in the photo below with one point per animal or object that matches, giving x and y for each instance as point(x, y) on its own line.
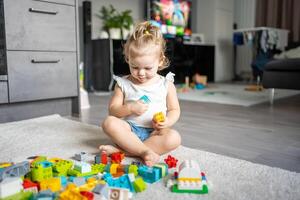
point(149, 174)
point(145, 99)
point(45, 195)
point(121, 182)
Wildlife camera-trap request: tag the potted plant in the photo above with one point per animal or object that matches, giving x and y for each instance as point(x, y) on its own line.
point(115, 23)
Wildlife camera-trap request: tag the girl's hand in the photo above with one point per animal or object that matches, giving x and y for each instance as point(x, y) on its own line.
point(138, 107)
point(160, 125)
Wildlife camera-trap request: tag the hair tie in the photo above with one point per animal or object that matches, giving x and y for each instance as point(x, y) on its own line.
point(146, 32)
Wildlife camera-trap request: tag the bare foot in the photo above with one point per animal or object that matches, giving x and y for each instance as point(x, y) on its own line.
point(109, 149)
point(150, 157)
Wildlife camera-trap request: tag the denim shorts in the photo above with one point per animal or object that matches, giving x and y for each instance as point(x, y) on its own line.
point(142, 132)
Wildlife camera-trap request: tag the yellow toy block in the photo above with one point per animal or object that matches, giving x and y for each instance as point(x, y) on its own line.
point(159, 117)
point(53, 184)
point(113, 168)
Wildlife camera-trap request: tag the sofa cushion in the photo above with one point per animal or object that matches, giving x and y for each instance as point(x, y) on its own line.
point(283, 65)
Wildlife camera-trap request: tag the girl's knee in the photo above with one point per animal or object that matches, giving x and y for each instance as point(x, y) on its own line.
point(108, 123)
point(174, 139)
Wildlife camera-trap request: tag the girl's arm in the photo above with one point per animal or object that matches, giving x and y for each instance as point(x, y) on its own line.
point(173, 108)
point(119, 109)
point(116, 107)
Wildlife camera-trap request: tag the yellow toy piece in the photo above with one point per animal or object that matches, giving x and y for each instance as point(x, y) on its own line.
point(53, 184)
point(159, 117)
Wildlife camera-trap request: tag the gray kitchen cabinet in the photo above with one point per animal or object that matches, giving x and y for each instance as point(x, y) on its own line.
point(36, 25)
point(39, 57)
point(3, 92)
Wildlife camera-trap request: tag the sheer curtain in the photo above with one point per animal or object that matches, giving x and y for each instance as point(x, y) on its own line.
point(283, 14)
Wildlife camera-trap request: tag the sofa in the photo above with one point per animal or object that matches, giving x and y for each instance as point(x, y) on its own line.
point(281, 74)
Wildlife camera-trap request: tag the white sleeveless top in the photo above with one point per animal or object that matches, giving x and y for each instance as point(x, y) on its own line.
point(157, 94)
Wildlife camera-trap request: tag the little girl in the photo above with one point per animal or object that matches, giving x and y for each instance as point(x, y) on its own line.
point(130, 123)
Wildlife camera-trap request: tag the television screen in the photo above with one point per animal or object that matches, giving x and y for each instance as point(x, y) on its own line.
point(172, 16)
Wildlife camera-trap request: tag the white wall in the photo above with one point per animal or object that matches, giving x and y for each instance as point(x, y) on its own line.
point(137, 7)
point(244, 16)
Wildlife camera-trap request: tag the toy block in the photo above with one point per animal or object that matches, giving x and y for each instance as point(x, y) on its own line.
point(5, 164)
point(28, 185)
point(17, 170)
point(82, 156)
point(133, 169)
point(97, 159)
point(189, 169)
point(159, 117)
point(20, 196)
point(10, 186)
point(131, 177)
point(98, 168)
point(203, 191)
point(38, 159)
point(113, 168)
point(78, 181)
point(53, 184)
point(120, 171)
point(171, 161)
point(137, 163)
point(61, 167)
point(149, 174)
point(117, 157)
point(118, 194)
point(101, 189)
point(145, 99)
point(71, 193)
point(88, 195)
point(189, 185)
point(163, 168)
point(41, 171)
point(121, 182)
point(139, 185)
point(104, 158)
point(82, 167)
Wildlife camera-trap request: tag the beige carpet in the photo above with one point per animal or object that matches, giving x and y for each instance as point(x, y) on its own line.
point(228, 178)
point(233, 94)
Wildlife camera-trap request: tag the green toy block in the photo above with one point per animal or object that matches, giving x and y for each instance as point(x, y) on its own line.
point(62, 166)
point(98, 168)
point(37, 160)
point(72, 172)
point(139, 185)
point(133, 169)
point(203, 191)
point(20, 196)
point(41, 171)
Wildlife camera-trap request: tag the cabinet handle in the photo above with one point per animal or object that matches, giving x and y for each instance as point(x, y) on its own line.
point(44, 61)
point(42, 11)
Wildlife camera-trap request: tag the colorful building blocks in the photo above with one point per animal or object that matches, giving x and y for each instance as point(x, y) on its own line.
point(190, 179)
point(117, 157)
point(163, 169)
point(139, 185)
point(61, 167)
point(149, 174)
point(82, 156)
point(159, 117)
point(115, 193)
point(53, 184)
point(82, 167)
point(28, 185)
point(16, 170)
point(41, 171)
point(104, 158)
point(171, 161)
point(10, 186)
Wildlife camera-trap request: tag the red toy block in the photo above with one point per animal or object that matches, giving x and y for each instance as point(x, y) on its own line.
point(117, 157)
point(88, 195)
point(29, 184)
point(103, 157)
point(171, 161)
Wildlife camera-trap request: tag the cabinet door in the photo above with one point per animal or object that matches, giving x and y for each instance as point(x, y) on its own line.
point(41, 75)
point(39, 25)
point(3, 92)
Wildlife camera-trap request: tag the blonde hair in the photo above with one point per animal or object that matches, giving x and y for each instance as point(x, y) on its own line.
point(145, 35)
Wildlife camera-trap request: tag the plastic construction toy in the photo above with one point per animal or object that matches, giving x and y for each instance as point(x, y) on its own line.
point(145, 99)
point(82, 156)
point(171, 161)
point(159, 117)
point(17, 170)
point(117, 157)
point(190, 179)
